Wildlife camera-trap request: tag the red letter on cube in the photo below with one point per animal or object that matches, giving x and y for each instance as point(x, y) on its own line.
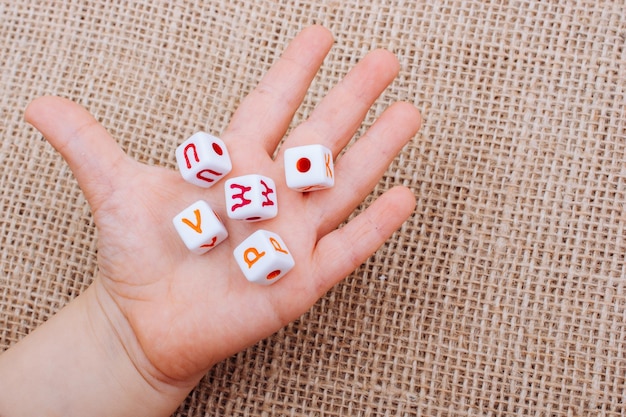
point(251, 197)
point(203, 159)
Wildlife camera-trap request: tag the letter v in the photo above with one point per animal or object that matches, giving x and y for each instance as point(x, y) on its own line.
point(198, 226)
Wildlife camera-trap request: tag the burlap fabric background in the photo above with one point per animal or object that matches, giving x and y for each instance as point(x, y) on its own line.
point(505, 293)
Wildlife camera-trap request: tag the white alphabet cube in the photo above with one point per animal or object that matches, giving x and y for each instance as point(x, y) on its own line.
point(251, 197)
point(309, 168)
point(263, 257)
point(203, 159)
point(200, 227)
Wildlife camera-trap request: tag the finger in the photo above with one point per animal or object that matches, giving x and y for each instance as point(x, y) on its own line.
point(342, 111)
point(92, 154)
point(359, 170)
point(342, 251)
point(265, 114)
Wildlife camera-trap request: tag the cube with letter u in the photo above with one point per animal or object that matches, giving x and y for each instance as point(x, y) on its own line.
point(203, 159)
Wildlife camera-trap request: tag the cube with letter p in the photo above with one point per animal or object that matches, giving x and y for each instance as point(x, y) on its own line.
point(263, 257)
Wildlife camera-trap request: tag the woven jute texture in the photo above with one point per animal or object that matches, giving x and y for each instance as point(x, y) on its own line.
point(504, 293)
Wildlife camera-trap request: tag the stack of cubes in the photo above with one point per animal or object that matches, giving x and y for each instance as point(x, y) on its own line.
point(263, 257)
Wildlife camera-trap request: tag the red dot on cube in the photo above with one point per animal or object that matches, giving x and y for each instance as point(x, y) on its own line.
point(273, 274)
point(303, 164)
point(218, 149)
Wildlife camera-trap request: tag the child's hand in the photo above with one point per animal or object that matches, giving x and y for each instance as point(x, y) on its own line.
point(176, 313)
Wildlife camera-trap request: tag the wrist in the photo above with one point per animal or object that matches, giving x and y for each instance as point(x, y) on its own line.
point(85, 361)
point(141, 383)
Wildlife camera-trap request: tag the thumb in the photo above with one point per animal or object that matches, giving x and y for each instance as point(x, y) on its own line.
point(92, 154)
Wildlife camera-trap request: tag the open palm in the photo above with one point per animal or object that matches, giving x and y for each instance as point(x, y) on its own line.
point(178, 313)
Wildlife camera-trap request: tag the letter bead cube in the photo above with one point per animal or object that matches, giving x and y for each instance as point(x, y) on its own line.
point(309, 168)
point(200, 227)
point(203, 159)
point(263, 257)
point(251, 197)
